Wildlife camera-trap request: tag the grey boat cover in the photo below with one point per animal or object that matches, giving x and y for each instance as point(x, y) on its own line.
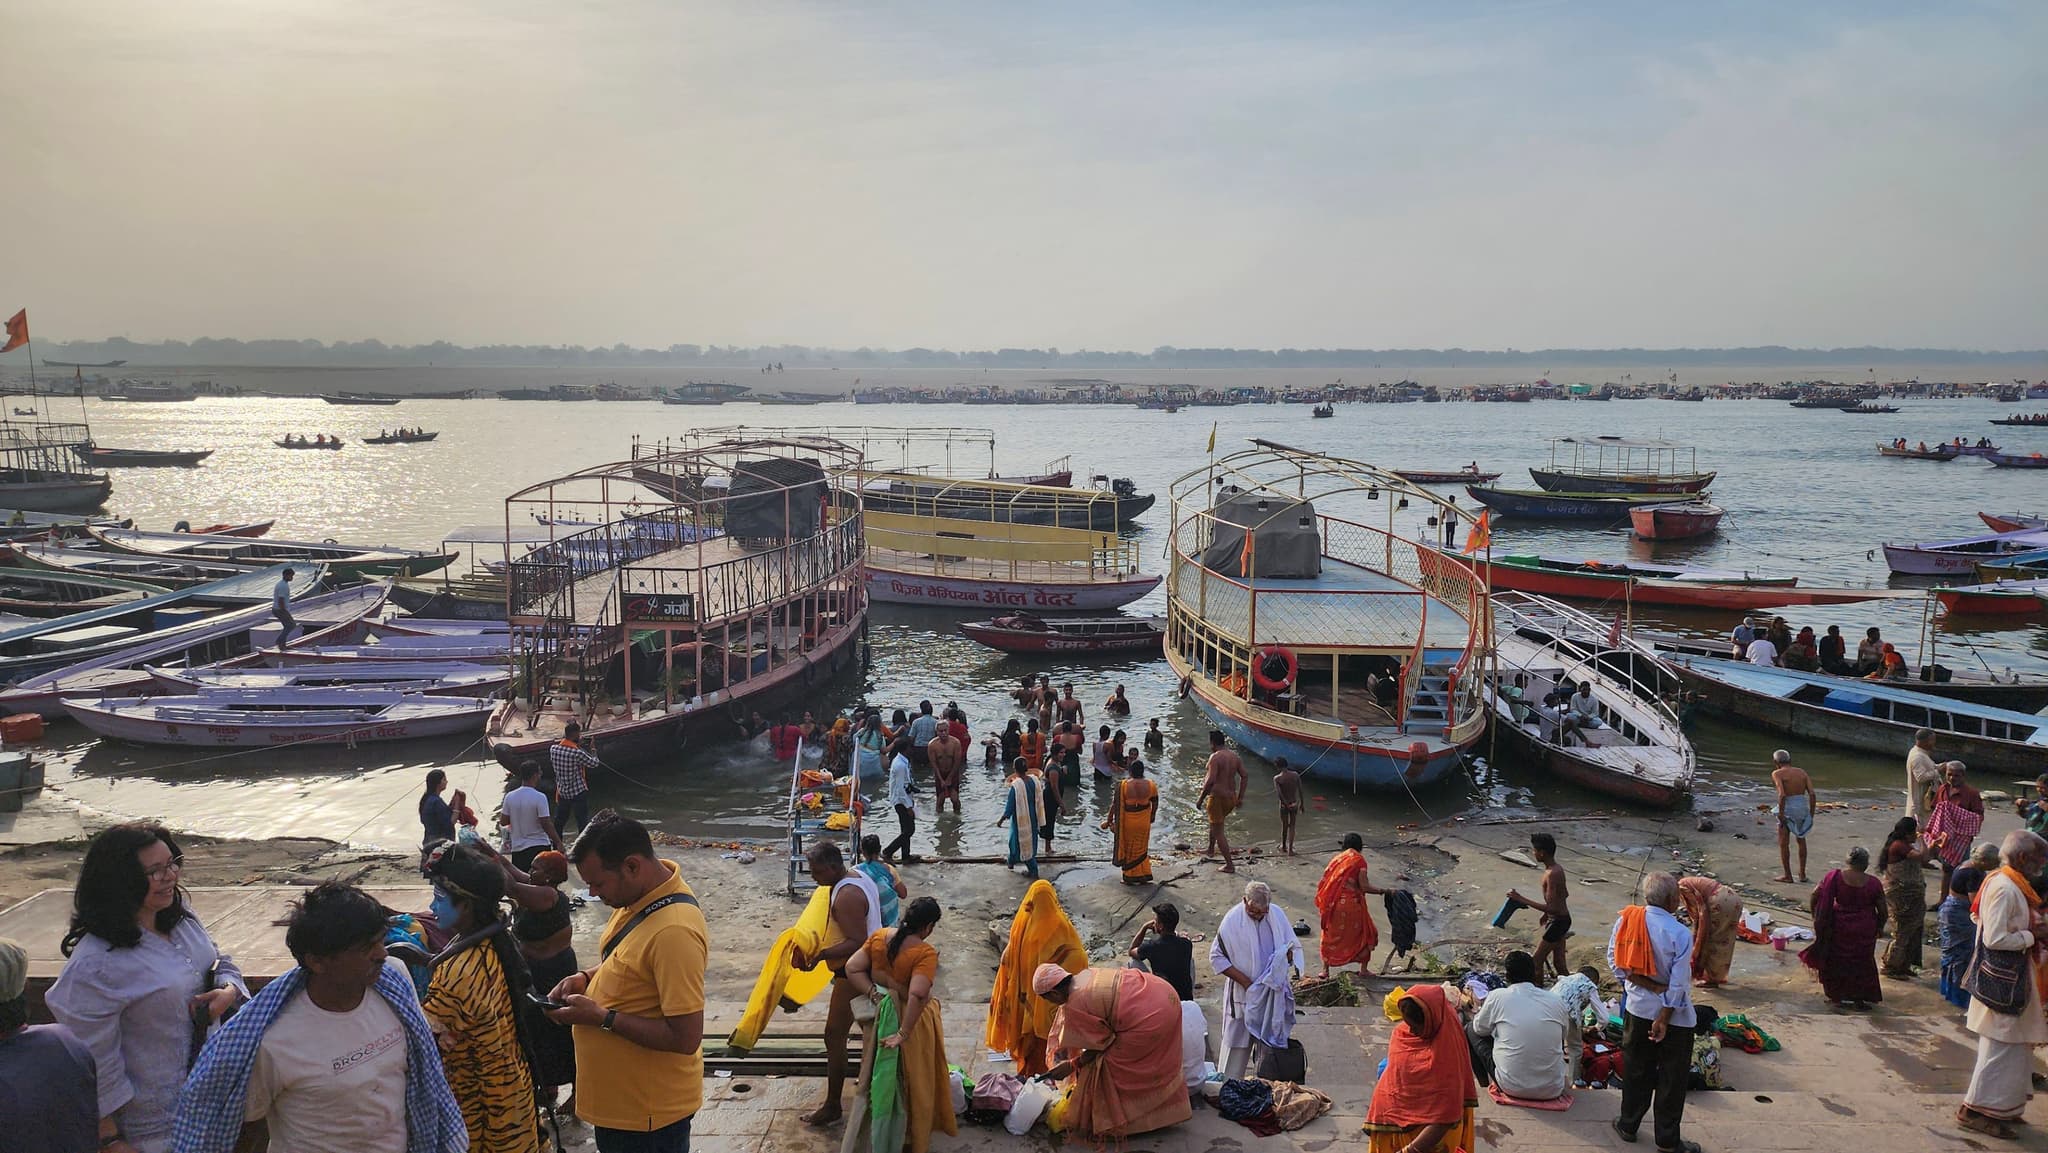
point(1285, 543)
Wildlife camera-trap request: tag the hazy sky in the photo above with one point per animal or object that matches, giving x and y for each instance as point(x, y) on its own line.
point(976, 175)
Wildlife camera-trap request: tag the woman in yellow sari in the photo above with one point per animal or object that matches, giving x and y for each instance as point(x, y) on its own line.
point(1130, 822)
point(1019, 1021)
point(905, 1108)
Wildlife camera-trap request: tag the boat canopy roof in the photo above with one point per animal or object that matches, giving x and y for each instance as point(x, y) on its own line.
point(1778, 682)
point(1621, 442)
point(499, 534)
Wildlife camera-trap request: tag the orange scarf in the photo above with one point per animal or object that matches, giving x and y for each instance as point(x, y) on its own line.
point(1632, 951)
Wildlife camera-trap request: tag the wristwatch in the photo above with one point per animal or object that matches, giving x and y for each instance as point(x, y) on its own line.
point(610, 1015)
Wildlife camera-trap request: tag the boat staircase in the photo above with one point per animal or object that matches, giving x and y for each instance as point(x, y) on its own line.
point(1429, 703)
point(812, 803)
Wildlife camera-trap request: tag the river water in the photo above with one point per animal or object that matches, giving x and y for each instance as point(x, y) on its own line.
point(1805, 491)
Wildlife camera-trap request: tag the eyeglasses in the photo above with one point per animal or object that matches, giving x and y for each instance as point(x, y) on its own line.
point(169, 868)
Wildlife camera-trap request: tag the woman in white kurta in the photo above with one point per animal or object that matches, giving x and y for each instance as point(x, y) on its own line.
point(2008, 917)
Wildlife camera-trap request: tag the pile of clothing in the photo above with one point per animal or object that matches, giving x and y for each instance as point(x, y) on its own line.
point(1269, 1107)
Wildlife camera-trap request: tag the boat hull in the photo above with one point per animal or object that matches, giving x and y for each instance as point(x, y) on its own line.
point(1675, 521)
point(1559, 481)
point(1050, 641)
point(141, 458)
point(2014, 522)
point(1557, 505)
point(2023, 598)
point(1422, 476)
point(60, 492)
point(1906, 560)
point(1588, 775)
point(889, 586)
point(115, 724)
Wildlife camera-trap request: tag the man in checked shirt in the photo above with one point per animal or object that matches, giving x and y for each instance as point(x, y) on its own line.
point(572, 764)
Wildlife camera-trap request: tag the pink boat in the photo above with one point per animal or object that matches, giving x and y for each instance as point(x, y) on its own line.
point(1679, 521)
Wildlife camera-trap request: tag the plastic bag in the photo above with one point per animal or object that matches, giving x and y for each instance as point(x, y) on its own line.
point(1032, 1101)
point(1056, 1114)
point(958, 1082)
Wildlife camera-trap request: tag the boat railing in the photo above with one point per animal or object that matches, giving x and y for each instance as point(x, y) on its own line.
point(541, 583)
point(745, 584)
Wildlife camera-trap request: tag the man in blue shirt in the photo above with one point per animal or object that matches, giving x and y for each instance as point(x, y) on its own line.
point(923, 727)
point(1657, 1027)
point(49, 1086)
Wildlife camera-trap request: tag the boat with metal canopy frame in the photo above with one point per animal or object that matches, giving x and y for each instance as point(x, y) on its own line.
point(1304, 632)
point(1618, 464)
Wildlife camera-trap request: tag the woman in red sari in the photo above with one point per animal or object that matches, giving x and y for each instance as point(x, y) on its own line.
point(1848, 914)
point(1348, 931)
point(1118, 1034)
point(1424, 1101)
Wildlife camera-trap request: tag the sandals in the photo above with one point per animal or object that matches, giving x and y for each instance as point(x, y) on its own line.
point(1977, 1122)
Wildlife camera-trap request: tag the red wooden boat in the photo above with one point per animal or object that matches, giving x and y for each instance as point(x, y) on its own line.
point(246, 530)
point(1675, 521)
point(1666, 585)
point(1025, 633)
point(2012, 522)
point(1456, 476)
point(1995, 598)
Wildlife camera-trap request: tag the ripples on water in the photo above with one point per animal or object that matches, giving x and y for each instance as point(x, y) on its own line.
point(1805, 491)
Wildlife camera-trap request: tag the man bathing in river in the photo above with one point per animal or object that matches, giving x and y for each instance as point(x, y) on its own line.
point(1287, 786)
point(1222, 791)
point(948, 758)
point(1795, 812)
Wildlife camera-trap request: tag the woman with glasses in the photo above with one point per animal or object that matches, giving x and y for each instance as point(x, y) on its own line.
point(143, 982)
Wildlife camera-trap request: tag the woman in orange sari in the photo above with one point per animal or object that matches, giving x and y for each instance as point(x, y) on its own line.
point(1348, 930)
point(1018, 1019)
point(1118, 1033)
point(1715, 910)
point(1424, 1101)
point(1130, 822)
point(902, 962)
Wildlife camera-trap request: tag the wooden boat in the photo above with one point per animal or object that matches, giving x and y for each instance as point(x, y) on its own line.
point(1995, 598)
point(343, 561)
point(170, 573)
point(359, 399)
point(1875, 717)
point(704, 392)
point(434, 678)
point(1680, 521)
point(1323, 410)
point(2012, 522)
point(140, 457)
point(1869, 409)
point(1985, 449)
point(401, 438)
point(251, 529)
point(21, 524)
point(32, 593)
point(1937, 452)
point(1612, 464)
point(37, 473)
point(1826, 402)
point(1469, 474)
point(1664, 585)
point(2008, 691)
point(925, 560)
point(789, 397)
point(1960, 556)
point(333, 444)
point(1639, 753)
point(1539, 504)
point(1026, 633)
point(473, 650)
point(2015, 460)
point(2034, 420)
point(654, 629)
point(1349, 651)
point(242, 718)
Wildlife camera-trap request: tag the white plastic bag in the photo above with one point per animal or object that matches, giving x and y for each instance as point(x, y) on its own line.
point(1032, 1102)
point(1194, 1038)
point(959, 1085)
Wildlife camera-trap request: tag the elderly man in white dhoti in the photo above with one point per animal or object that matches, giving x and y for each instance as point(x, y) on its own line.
point(2005, 999)
point(1256, 954)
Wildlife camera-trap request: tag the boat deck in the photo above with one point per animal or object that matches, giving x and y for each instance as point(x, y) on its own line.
point(1785, 682)
point(1329, 610)
point(674, 571)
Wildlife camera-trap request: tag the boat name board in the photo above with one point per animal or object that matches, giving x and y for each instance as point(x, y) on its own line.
point(659, 608)
point(1016, 598)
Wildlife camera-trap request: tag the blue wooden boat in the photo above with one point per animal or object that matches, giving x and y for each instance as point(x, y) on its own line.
point(1877, 717)
point(1538, 504)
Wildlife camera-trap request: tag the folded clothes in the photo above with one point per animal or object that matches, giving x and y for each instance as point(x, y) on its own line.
point(1555, 1105)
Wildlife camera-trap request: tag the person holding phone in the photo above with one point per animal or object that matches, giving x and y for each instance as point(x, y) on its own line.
point(473, 1003)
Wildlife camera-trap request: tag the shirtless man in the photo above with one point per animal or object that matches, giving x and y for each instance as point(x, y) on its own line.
point(1222, 791)
point(1287, 785)
point(1796, 806)
point(948, 758)
point(1555, 906)
point(1070, 705)
point(1154, 739)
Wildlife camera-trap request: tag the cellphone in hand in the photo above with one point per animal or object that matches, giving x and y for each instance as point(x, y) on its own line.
point(545, 1002)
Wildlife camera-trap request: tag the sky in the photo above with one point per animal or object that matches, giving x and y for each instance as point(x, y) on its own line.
point(970, 175)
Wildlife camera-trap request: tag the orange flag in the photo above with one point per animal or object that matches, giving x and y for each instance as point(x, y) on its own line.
point(1244, 556)
point(17, 331)
point(1481, 535)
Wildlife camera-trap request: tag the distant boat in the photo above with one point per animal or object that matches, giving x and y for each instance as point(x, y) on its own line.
point(359, 398)
point(812, 397)
point(2014, 460)
point(333, 443)
point(1938, 452)
point(705, 392)
point(2035, 419)
point(1470, 473)
point(140, 457)
point(1869, 409)
point(401, 438)
point(83, 364)
point(344, 561)
point(1323, 410)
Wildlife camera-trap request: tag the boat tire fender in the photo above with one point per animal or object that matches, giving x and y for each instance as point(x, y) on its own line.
point(1264, 658)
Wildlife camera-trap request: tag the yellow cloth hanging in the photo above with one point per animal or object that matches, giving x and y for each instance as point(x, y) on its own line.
point(780, 980)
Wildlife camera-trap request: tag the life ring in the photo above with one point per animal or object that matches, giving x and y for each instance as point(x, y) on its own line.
point(1187, 685)
point(1264, 658)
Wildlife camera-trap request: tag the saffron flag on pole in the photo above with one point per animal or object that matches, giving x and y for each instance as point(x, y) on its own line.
point(1481, 535)
point(1244, 555)
point(1212, 432)
point(17, 331)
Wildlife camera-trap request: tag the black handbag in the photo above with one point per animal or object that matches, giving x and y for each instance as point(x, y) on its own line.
point(1998, 977)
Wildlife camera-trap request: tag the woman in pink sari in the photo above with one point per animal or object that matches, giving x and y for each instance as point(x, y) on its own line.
point(1848, 913)
point(1118, 1034)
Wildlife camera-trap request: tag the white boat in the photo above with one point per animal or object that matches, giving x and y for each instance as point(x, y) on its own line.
point(440, 678)
point(1960, 556)
point(277, 717)
point(473, 649)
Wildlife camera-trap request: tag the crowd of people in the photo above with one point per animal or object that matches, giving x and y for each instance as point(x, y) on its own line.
point(1773, 644)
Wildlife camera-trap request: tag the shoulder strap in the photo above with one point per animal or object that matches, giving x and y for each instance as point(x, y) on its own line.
point(605, 951)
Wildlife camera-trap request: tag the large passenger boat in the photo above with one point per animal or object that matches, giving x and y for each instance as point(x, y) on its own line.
point(1306, 633)
point(657, 626)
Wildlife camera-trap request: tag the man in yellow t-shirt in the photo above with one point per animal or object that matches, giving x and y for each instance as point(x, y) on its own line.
point(639, 1015)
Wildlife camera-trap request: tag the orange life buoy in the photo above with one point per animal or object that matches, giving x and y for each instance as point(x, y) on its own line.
point(1264, 658)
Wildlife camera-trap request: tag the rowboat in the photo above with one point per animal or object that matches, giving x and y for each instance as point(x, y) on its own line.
point(1349, 651)
point(242, 718)
point(1025, 633)
point(21, 524)
point(1537, 504)
point(1995, 598)
point(1869, 409)
point(169, 572)
point(2010, 691)
point(1612, 464)
point(2014, 460)
point(1651, 584)
point(1874, 717)
point(2035, 420)
point(492, 649)
point(140, 457)
point(435, 678)
point(333, 444)
point(31, 593)
point(1826, 402)
point(1938, 452)
point(1961, 556)
point(344, 561)
point(401, 438)
point(359, 398)
point(1680, 521)
point(1985, 449)
point(2012, 522)
point(1638, 753)
point(1455, 476)
point(789, 397)
point(253, 528)
point(1323, 411)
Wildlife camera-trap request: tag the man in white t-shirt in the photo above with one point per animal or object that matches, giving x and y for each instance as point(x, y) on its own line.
point(529, 829)
point(1763, 652)
point(1526, 1027)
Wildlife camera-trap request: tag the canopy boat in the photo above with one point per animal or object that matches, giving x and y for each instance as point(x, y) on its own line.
point(656, 628)
point(1666, 585)
point(2015, 460)
point(169, 572)
point(401, 438)
point(1826, 402)
point(2010, 691)
point(434, 678)
point(333, 443)
point(704, 392)
point(1539, 504)
point(30, 593)
point(1618, 465)
point(2012, 522)
point(1025, 633)
point(493, 649)
point(140, 457)
point(1679, 521)
point(1937, 452)
point(1994, 598)
point(36, 470)
point(478, 593)
point(1875, 717)
point(928, 560)
point(241, 718)
point(1869, 409)
point(359, 399)
point(1960, 556)
point(1469, 474)
point(1335, 644)
point(1639, 751)
point(344, 561)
